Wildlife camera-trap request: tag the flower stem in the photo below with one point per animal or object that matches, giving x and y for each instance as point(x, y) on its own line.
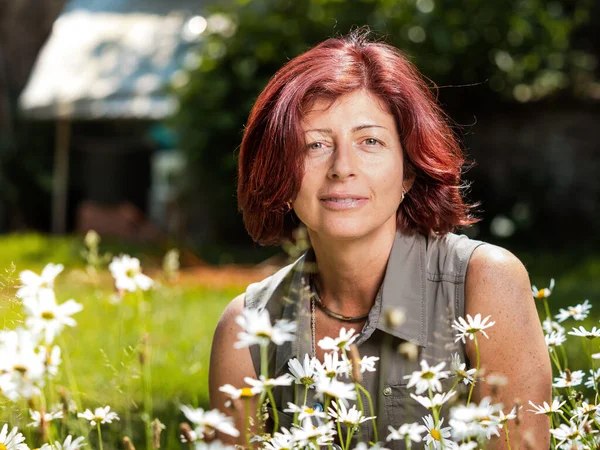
point(507, 438)
point(375, 432)
point(69, 370)
point(476, 369)
point(247, 430)
point(547, 308)
point(274, 408)
point(99, 436)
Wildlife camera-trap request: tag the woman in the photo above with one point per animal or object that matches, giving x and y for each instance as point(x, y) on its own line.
point(347, 140)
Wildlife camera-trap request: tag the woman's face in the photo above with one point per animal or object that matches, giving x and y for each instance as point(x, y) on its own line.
point(353, 169)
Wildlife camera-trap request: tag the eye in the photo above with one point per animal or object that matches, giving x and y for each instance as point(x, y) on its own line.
point(314, 145)
point(372, 141)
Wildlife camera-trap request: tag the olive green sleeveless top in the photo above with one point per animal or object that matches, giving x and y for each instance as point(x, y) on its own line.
point(425, 278)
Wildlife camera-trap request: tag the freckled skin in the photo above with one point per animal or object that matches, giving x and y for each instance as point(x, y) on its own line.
point(497, 284)
point(346, 158)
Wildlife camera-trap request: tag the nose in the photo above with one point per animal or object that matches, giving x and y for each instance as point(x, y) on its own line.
point(343, 162)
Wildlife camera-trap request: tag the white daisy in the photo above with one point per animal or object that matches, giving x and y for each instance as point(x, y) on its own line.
point(334, 388)
point(308, 434)
point(436, 436)
point(545, 408)
point(38, 418)
point(569, 379)
point(13, 440)
point(437, 400)
point(33, 283)
point(569, 433)
point(503, 418)
point(21, 359)
point(304, 412)
point(366, 364)
point(412, 431)
point(375, 446)
point(234, 393)
point(555, 339)
point(209, 420)
point(281, 440)
point(349, 417)
point(262, 383)
point(468, 328)
point(128, 274)
point(577, 312)
point(68, 444)
point(257, 329)
point(459, 368)
point(45, 316)
point(213, 445)
point(332, 366)
point(427, 378)
point(550, 325)
point(586, 409)
point(342, 342)
point(305, 373)
point(100, 415)
point(475, 420)
point(539, 294)
point(582, 332)
point(594, 376)
point(51, 356)
point(467, 446)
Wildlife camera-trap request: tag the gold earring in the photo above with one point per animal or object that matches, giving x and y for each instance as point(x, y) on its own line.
point(402, 198)
point(289, 205)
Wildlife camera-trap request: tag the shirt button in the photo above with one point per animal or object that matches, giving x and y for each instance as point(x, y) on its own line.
point(387, 391)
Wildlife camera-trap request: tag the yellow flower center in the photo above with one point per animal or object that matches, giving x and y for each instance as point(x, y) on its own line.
point(542, 293)
point(98, 419)
point(309, 410)
point(21, 369)
point(427, 375)
point(3, 447)
point(130, 273)
point(435, 434)
point(247, 392)
point(307, 381)
point(48, 315)
point(263, 334)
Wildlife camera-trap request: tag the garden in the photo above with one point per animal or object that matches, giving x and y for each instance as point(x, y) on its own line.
point(95, 348)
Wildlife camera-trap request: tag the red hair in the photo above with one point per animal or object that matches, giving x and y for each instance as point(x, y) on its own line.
point(271, 160)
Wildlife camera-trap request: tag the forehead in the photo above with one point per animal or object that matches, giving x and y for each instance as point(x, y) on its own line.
point(357, 106)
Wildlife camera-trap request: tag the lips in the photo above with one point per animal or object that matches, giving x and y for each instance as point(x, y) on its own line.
point(343, 201)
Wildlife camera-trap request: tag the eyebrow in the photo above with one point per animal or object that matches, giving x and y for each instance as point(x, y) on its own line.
point(354, 130)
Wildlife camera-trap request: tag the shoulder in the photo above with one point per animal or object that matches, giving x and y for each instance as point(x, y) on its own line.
point(449, 255)
point(258, 293)
point(496, 266)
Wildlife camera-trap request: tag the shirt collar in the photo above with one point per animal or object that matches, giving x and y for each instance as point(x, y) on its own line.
point(404, 288)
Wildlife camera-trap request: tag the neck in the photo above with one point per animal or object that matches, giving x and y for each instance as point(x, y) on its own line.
point(350, 272)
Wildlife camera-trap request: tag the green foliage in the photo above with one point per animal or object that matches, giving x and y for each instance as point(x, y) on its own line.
point(516, 49)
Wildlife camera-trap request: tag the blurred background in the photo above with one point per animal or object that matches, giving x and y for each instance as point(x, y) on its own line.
point(124, 116)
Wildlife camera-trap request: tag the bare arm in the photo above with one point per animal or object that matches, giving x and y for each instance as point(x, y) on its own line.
point(497, 284)
point(229, 365)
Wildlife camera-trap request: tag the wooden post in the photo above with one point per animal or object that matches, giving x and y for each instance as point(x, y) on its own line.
point(61, 176)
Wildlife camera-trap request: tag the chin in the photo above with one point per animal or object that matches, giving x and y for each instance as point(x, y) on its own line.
point(344, 232)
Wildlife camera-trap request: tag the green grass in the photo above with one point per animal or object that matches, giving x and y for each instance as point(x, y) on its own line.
point(104, 348)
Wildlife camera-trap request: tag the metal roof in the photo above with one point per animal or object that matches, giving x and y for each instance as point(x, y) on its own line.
point(112, 59)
